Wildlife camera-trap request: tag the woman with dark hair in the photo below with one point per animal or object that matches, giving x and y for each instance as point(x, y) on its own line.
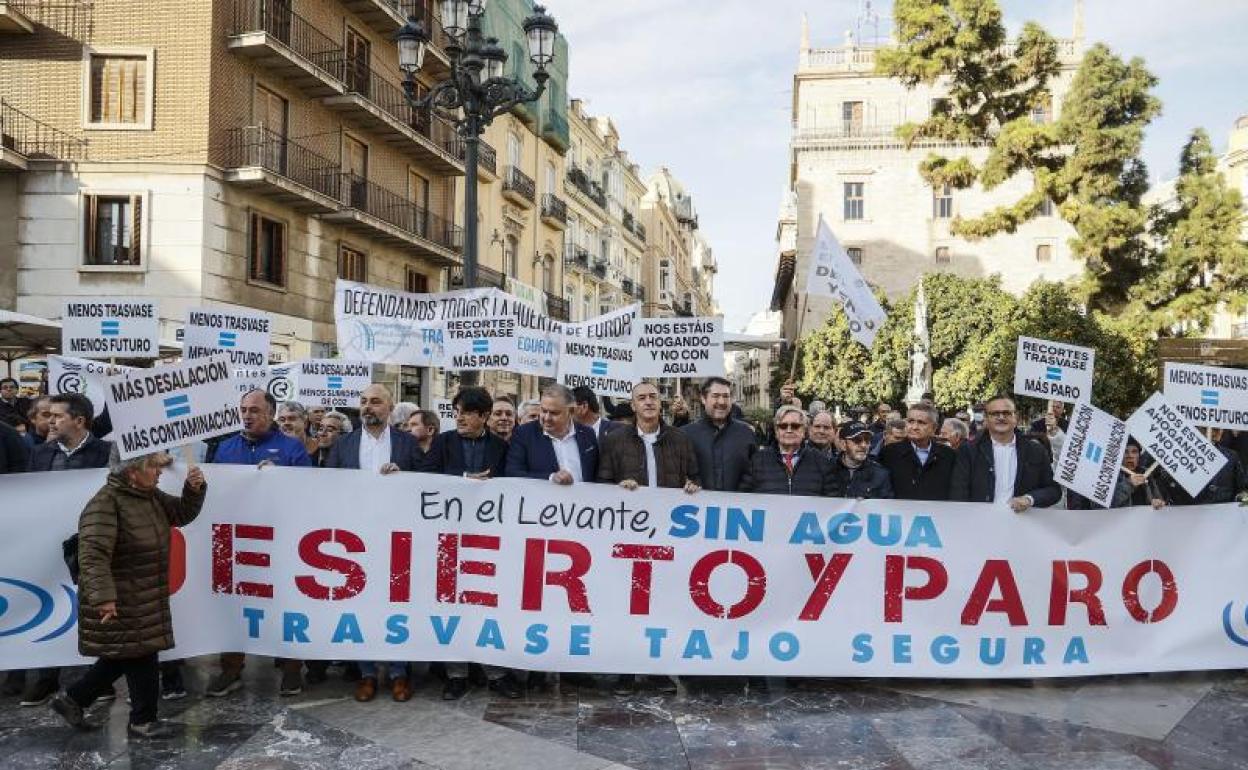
point(123, 601)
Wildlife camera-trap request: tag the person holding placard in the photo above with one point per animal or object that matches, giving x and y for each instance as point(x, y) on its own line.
point(1225, 487)
point(855, 472)
point(1004, 467)
point(556, 447)
point(1135, 486)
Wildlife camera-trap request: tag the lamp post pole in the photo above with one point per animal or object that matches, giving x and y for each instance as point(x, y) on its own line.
point(475, 93)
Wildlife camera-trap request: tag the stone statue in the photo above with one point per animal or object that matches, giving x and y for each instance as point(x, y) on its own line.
point(920, 359)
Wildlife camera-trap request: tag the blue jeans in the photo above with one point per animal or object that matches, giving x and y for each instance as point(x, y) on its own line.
point(395, 670)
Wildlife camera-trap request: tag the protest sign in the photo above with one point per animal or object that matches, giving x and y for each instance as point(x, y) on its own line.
point(385, 326)
point(484, 337)
point(833, 274)
point(331, 383)
point(607, 368)
point(680, 347)
point(1053, 370)
point(1092, 454)
point(67, 374)
point(277, 380)
point(242, 335)
point(110, 327)
point(170, 406)
point(620, 326)
point(530, 575)
point(1166, 435)
point(529, 295)
point(1208, 395)
point(446, 414)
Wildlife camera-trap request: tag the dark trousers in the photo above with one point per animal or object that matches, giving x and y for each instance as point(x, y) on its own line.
point(142, 677)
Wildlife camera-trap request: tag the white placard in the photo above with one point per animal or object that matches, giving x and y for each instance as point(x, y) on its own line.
point(1092, 454)
point(1166, 435)
point(1053, 370)
point(833, 274)
point(331, 383)
point(110, 327)
point(1208, 395)
point(681, 347)
point(278, 380)
point(170, 406)
point(483, 339)
point(621, 326)
point(242, 335)
point(67, 374)
point(446, 414)
point(537, 342)
point(529, 295)
point(607, 368)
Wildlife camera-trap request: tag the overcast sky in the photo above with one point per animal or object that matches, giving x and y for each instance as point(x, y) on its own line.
point(704, 87)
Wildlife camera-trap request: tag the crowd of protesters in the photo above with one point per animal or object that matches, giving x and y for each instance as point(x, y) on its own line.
point(566, 437)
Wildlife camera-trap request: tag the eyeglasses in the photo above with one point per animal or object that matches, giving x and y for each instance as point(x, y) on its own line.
point(1001, 414)
point(790, 425)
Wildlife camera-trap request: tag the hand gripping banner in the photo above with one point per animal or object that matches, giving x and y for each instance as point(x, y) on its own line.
point(319, 564)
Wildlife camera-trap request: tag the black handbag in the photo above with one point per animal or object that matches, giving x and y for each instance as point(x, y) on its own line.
point(69, 552)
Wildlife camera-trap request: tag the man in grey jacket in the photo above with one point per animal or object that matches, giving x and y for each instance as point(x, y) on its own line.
point(723, 445)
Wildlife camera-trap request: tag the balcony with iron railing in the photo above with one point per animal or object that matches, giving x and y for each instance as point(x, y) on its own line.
point(587, 187)
point(14, 19)
point(254, 156)
point(600, 267)
point(272, 35)
point(554, 211)
point(388, 216)
point(384, 16)
point(24, 138)
point(487, 160)
point(558, 307)
point(519, 188)
point(576, 257)
point(555, 128)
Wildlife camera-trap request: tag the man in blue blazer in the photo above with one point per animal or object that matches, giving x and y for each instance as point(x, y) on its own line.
point(377, 446)
point(588, 412)
point(556, 447)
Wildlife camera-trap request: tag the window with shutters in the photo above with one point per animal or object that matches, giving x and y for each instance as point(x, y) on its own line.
point(416, 282)
point(119, 93)
point(851, 118)
point(855, 205)
point(855, 254)
point(112, 230)
point(1044, 253)
point(352, 264)
point(267, 250)
point(942, 255)
point(942, 202)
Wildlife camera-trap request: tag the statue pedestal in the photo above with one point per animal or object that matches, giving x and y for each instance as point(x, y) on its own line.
point(914, 395)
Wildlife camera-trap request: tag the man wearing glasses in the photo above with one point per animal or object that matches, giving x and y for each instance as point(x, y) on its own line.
point(855, 473)
point(1004, 467)
point(790, 467)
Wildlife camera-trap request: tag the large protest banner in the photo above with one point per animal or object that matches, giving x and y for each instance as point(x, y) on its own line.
point(1166, 435)
point(242, 335)
point(67, 374)
point(537, 342)
point(385, 326)
point(1053, 370)
point(833, 274)
point(170, 406)
point(277, 380)
point(1092, 454)
point(1208, 395)
point(110, 327)
point(331, 383)
point(680, 347)
point(535, 576)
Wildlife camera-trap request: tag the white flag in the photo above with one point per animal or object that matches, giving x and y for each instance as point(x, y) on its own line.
point(832, 274)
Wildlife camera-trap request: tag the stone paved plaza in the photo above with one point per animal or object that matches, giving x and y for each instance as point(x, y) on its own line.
point(1174, 721)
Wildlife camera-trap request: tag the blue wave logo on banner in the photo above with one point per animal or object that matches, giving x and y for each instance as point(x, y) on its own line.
point(47, 607)
point(1229, 629)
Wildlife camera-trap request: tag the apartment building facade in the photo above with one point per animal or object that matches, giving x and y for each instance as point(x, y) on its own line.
point(672, 222)
point(228, 152)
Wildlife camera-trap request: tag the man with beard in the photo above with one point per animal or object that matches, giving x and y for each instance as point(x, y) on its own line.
point(724, 446)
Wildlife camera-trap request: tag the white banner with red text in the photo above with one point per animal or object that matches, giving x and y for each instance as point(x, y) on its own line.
point(322, 564)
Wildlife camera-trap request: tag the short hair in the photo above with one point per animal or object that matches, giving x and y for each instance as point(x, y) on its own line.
point(427, 419)
point(474, 399)
point(894, 424)
point(585, 395)
point(879, 404)
point(957, 426)
point(817, 415)
point(504, 397)
point(347, 425)
point(711, 382)
point(268, 399)
point(118, 466)
point(782, 411)
point(555, 390)
point(402, 412)
point(34, 406)
point(7, 380)
point(927, 409)
point(77, 405)
point(528, 404)
point(639, 383)
point(296, 407)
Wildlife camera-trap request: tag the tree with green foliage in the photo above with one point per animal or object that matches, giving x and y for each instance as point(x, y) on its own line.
point(1201, 263)
point(834, 368)
point(1086, 163)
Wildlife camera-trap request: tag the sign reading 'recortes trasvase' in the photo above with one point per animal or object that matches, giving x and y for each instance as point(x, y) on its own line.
point(241, 335)
point(1208, 395)
point(110, 328)
point(169, 406)
point(331, 383)
point(1053, 370)
point(680, 347)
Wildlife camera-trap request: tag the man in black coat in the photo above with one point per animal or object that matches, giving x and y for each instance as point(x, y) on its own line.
point(470, 450)
point(13, 408)
point(587, 411)
point(1224, 487)
point(854, 472)
point(1003, 466)
point(789, 467)
point(920, 468)
point(724, 446)
point(13, 453)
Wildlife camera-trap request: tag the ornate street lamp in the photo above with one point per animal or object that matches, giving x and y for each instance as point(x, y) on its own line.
point(476, 91)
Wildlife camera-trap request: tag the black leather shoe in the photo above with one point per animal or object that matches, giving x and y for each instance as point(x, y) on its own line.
point(507, 686)
point(454, 689)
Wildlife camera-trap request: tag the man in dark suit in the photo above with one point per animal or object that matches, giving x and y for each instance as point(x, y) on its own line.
point(921, 468)
point(555, 447)
point(13, 451)
point(1004, 467)
point(587, 411)
point(377, 446)
point(470, 450)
